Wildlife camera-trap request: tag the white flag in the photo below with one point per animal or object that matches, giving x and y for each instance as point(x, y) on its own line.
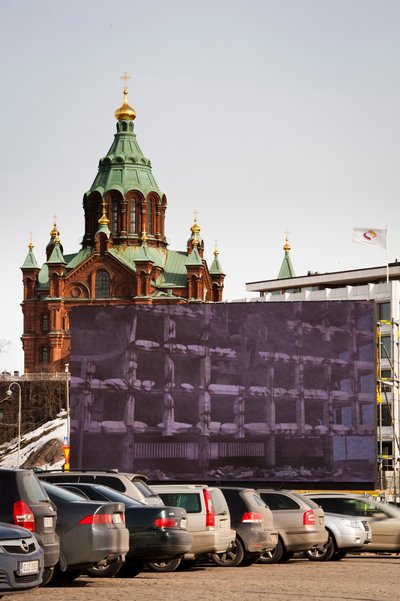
point(370, 236)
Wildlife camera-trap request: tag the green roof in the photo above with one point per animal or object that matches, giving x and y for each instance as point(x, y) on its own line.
point(125, 167)
point(194, 258)
point(30, 261)
point(57, 256)
point(286, 270)
point(215, 268)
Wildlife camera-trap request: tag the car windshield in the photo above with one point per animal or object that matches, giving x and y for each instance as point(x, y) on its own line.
point(56, 492)
point(349, 506)
point(113, 495)
point(33, 489)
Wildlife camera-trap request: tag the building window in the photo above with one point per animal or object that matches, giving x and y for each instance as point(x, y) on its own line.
point(384, 313)
point(386, 375)
point(45, 355)
point(102, 284)
point(114, 216)
point(45, 322)
point(386, 418)
point(386, 347)
point(133, 216)
point(150, 218)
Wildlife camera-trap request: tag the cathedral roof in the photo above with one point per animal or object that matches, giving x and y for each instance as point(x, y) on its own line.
point(30, 260)
point(56, 256)
point(286, 270)
point(125, 167)
point(215, 267)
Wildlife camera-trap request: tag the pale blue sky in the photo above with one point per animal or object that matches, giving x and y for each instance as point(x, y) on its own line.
point(285, 109)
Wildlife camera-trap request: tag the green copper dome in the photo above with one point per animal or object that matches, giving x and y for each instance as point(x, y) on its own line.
point(125, 167)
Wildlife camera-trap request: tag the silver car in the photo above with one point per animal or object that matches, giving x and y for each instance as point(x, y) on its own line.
point(298, 520)
point(21, 560)
point(348, 532)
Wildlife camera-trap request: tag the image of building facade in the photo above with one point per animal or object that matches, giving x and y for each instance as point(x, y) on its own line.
point(382, 286)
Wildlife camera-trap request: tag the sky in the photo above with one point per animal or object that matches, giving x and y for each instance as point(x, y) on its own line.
point(264, 116)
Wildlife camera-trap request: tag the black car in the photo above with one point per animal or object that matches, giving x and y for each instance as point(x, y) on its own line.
point(24, 502)
point(254, 525)
point(155, 533)
point(91, 532)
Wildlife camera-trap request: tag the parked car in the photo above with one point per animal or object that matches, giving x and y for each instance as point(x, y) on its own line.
point(25, 503)
point(90, 532)
point(155, 533)
point(254, 525)
point(132, 485)
point(21, 560)
point(383, 519)
point(345, 535)
point(299, 521)
point(208, 520)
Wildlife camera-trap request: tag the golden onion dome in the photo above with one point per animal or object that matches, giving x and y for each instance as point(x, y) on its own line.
point(195, 229)
point(125, 112)
point(54, 232)
point(286, 246)
point(104, 219)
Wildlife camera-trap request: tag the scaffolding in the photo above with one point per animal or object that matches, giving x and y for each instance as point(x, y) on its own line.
point(388, 388)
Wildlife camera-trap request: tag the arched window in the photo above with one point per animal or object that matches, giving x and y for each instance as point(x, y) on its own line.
point(102, 284)
point(45, 322)
point(44, 355)
point(150, 217)
point(114, 215)
point(133, 216)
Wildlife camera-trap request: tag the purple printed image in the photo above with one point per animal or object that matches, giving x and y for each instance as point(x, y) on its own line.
point(272, 392)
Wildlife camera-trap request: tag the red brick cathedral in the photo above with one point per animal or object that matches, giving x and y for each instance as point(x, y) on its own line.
point(124, 257)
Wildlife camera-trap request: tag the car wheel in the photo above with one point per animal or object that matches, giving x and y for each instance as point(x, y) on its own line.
point(274, 555)
point(108, 570)
point(170, 565)
point(286, 556)
point(48, 574)
point(338, 555)
point(324, 553)
point(130, 569)
point(230, 558)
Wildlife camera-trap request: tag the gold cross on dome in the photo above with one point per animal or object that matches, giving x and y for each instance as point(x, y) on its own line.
point(125, 77)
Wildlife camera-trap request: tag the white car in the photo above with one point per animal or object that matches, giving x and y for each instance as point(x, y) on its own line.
point(347, 533)
point(208, 519)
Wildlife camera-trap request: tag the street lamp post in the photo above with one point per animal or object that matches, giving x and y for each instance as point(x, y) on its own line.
point(67, 378)
point(9, 393)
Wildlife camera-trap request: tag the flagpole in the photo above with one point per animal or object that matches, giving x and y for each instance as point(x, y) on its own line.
point(387, 256)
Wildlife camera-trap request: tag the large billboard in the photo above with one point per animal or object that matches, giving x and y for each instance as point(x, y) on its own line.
point(244, 392)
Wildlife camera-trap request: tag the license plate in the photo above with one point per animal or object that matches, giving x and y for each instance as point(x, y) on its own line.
point(28, 567)
point(116, 518)
point(48, 522)
point(184, 523)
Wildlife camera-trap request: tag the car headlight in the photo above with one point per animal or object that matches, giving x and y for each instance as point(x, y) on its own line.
point(352, 523)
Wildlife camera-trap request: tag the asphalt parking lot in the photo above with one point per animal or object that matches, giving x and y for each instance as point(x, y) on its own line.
point(359, 578)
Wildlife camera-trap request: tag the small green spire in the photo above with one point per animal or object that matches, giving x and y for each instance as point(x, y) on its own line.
point(286, 270)
point(194, 258)
point(30, 261)
point(215, 268)
point(57, 256)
